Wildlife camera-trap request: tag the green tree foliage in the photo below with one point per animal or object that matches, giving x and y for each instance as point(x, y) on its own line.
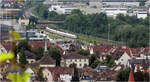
point(142, 3)
point(42, 11)
point(123, 75)
point(22, 57)
point(84, 52)
point(93, 61)
point(55, 53)
point(33, 20)
point(109, 60)
point(126, 29)
point(45, 14)
point(75, 76)
point(39, 51)
point(24, 45)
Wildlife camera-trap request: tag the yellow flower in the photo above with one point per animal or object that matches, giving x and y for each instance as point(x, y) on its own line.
point(6, 56)
point(15, 77)
point(15, 35)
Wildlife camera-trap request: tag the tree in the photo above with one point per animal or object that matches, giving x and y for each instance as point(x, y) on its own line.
point(142, 3)
point(75, 76)
point(123, 75)
point(33, 20)
point(55, 54)
point(109, 60)
point(45, 14)
point(93, 61)
point(39, 51)
point(22, 57)
point(84, 52)
point(23, 44)
point(97, 54)
point(76, 11)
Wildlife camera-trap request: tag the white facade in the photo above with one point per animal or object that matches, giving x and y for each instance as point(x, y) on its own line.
point(47, 74)
point(122, 3)
point(80, 63)
point(31, 60)
point(113, 12)
point(65, 77)
point(61, 9)
point(142, 15)
point(123, 59)
point(47, 65)
point(92, 8)
point(31, 72)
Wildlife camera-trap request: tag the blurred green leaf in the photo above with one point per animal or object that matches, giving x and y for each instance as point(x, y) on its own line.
point(6, 56)
point(19, 78)
point(15, 35)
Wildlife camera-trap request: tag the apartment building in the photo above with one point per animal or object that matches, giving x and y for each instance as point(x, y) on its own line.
point(73, 58)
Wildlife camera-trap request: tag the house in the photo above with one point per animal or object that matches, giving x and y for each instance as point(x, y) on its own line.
point(32, 74)
point(122, 2)
point(114, 11)
point(23, 21)
point(106, 75)
point(139, 63)
point(123, 60)
point(16, 13)
point(87, 79)
point(58, 74)
point(47, 61)
point(73, 58)
point(35, 44)
point(30, 56)
point(47, 75)
point(142, 14)
point(102, 68)
point(61, 9)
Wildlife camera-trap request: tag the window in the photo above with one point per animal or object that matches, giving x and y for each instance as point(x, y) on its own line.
point(75, 60)
point(85, 65)
point(80, 64)
point(121, 59)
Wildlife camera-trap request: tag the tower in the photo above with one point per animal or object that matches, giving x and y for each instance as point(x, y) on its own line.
point(45, 49)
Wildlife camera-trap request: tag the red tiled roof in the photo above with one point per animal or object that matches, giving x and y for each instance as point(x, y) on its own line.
point(60, 70)
point(74, 56)
point(35, 44)
point(46, 59)
point(7, 45)
point(87, 68)
point(29, 55)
